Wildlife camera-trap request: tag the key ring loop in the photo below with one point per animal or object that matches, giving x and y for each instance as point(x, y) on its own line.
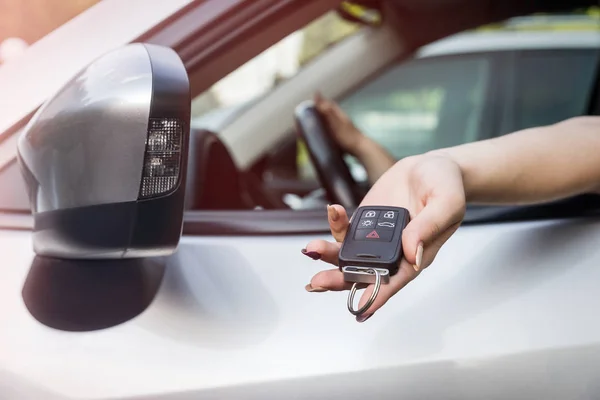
point(369, 302)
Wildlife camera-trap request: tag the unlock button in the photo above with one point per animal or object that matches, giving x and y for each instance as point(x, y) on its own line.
point(370, 214)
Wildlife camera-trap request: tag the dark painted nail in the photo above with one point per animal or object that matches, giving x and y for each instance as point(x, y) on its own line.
point(311, 289)
point(363, 318)
point(312, 254)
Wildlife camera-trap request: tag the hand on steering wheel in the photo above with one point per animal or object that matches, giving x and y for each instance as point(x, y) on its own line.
point(343, 130)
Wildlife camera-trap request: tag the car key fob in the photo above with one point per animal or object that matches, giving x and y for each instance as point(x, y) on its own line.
point(373, 242)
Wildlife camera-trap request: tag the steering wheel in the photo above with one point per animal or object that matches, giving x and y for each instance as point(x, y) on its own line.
point(327, 156)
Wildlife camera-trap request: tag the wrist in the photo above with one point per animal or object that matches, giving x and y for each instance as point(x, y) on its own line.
point(453, 154)
point(361, 146)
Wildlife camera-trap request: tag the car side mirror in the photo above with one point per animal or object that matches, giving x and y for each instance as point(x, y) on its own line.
point(105, 158)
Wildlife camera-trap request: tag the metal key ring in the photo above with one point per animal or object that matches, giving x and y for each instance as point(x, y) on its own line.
point(369, 302)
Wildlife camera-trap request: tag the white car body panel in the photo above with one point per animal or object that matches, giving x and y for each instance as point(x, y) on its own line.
point(506, 311)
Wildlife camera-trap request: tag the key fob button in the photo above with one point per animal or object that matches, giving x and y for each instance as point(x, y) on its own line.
point(384, 235)
point(389, 215)
point(370, 214)
point(382, 224)
point(367, 223)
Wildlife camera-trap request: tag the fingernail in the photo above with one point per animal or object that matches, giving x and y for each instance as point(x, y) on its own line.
point(311, 289)
point(419, 256)
point(363, 318)
point(312, 254)
point(333, 213)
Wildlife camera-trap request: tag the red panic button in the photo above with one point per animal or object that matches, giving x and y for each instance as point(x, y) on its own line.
point(373, 235)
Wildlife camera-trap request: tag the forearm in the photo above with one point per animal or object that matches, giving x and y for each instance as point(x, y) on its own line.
point(534, 165)
point(374, 158)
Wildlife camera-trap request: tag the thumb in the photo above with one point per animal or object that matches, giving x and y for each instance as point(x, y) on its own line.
point(437, 220)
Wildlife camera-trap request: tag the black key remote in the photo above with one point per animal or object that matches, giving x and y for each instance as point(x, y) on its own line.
point(373, 241)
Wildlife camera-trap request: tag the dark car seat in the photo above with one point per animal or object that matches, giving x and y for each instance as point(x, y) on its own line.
point(213, 180)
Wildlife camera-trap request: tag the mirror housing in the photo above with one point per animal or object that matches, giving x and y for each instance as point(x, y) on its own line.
point(105, 158)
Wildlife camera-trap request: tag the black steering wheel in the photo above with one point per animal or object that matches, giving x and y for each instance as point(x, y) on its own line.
point(327, 157)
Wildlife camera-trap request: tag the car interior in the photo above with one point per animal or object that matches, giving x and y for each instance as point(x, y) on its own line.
point(215, 183)
point(226, 173)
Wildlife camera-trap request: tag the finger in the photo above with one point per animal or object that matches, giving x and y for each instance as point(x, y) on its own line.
point(323, 250)
point(439, 215)
point(325, 107)
point(337, 111)
point(432, 249)
point(404, 275)
point(338, 221)
point(331, 279)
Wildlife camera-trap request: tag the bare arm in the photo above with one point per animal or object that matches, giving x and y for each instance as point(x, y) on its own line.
point(373, 157)
point(533, 165)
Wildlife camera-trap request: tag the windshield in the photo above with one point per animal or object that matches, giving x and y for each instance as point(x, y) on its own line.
point(24, 22)
point(237, 91)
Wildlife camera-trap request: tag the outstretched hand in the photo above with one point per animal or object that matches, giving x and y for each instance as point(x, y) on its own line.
point(431, 188)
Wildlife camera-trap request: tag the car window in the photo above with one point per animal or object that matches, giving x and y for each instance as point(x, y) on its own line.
point(536, 102)
point(438, 102)
point(422, 104)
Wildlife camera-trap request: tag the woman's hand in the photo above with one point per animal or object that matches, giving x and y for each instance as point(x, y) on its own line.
point(369, 153)
point(431, 188)
point(346, 134)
